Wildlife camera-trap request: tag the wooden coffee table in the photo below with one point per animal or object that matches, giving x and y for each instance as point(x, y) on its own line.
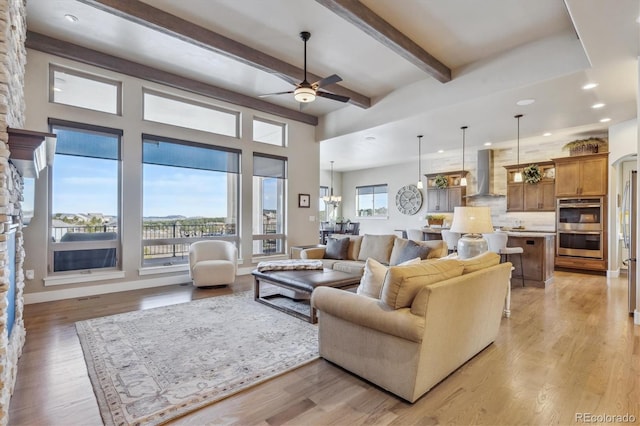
point(301, 281)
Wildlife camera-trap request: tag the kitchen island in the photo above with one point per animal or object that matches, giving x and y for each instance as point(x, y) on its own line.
point(537, 257)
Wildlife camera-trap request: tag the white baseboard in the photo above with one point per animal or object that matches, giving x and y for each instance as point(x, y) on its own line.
point(94, 290)
point(613, 273)
point(636, 317)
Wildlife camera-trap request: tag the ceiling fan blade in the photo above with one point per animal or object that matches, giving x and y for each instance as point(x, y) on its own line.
point(327, 81)
point(328, 95)
point(274, 94)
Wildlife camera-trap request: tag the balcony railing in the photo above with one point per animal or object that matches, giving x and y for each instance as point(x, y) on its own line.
point(169, 243)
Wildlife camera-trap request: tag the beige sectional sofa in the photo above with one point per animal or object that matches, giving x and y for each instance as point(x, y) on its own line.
point(386, 249)
point(409, 327)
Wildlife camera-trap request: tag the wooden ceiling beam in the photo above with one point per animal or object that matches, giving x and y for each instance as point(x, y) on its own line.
point(74, 52)
point(365, 19)
point(166, 23)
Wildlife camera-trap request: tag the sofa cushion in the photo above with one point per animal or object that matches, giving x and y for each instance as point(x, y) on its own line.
point(404, 250)
point(372, 279)
point(402, 283)
point(336, 248)
point(348, 266)
point(376, 246)
point(480, 261)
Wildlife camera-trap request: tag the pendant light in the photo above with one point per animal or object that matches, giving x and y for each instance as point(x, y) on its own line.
point(331, 199)
point(517, 177)
point(463, 180)
point(419, 185)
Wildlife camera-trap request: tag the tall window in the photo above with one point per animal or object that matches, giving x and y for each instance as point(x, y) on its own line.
point(189, 193)
point(267, 131)
point(70, 87)
point(322, 206)
point(371, 200)
point(85, 193)
point(176, 111)
point(269, 183)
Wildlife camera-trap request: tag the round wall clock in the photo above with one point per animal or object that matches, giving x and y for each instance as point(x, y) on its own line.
point(409, 200)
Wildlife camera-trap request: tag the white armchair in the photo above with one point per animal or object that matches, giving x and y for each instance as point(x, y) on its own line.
point(212, 263)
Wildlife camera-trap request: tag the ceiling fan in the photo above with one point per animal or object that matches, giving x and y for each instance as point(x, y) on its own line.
point(306, 92)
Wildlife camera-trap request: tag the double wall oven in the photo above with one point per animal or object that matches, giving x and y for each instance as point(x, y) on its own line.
point(580, 227)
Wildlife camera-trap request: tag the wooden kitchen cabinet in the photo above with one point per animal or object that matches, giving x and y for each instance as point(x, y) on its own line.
point(582, 175)
point(444, 200)
point(540, 196)
point(437, 200)
point(523, 196)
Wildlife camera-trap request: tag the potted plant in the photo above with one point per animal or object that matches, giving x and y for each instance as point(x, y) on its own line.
point(435, 219)
point(585, 146)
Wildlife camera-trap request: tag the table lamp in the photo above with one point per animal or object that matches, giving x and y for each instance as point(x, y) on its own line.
point(471, 222)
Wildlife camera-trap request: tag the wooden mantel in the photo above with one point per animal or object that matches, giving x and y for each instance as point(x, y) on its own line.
point(29, 150)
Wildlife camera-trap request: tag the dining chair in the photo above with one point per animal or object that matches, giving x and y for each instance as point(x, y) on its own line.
point(451, 238)
point(415, 234)
point(497, 242)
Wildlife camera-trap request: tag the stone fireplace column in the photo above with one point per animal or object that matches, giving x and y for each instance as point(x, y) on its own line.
point(12, 114)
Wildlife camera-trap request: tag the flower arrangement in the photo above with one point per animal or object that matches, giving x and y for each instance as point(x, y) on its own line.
point(585, 146)
point(532, 174)
point(441, 182)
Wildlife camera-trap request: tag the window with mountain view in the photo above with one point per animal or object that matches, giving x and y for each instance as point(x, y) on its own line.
point(189, 193)
point(269, 200)
point(85, 194)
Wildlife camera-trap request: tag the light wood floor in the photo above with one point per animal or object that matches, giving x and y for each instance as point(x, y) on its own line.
point(567, 349)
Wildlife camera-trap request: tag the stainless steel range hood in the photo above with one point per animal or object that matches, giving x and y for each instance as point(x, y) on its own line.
point(484, 172)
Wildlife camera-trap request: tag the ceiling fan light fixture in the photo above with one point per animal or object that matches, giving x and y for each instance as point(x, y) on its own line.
point(304, 94)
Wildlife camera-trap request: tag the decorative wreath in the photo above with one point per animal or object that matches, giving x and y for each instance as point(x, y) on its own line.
point(441, 182)
point(532, 174)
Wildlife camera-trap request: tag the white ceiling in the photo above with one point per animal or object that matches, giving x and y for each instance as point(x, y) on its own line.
point(499, 51)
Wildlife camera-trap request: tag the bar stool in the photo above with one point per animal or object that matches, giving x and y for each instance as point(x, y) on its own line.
point(451, 238)
point(497, 242)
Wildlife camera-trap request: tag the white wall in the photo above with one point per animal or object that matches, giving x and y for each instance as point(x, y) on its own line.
point(302, 152)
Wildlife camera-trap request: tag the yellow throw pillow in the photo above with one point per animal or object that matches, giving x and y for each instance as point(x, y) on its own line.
point(372, 279)
point(402, 283)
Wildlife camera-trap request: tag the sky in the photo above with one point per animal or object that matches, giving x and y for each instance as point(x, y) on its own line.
point(89, 185)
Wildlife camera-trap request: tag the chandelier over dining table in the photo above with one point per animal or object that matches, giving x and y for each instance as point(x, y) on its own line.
point(332, 200)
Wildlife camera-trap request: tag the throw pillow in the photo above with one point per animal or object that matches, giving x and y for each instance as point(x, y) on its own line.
point(404, 250)
point(336, 248)
point(410, 262)
point(372, 279)
point(402, 283)
point(376, 246)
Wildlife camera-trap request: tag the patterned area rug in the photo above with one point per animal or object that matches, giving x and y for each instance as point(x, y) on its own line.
point(150, 366)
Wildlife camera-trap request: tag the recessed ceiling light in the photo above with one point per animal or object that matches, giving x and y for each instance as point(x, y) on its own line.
point(547, 134)
point(71, 18)
point(589, 86)
point(598, 105)
point(523, 102)
point(370, 138)
point(487, 144)
point(440, 151)
point(605, 120)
